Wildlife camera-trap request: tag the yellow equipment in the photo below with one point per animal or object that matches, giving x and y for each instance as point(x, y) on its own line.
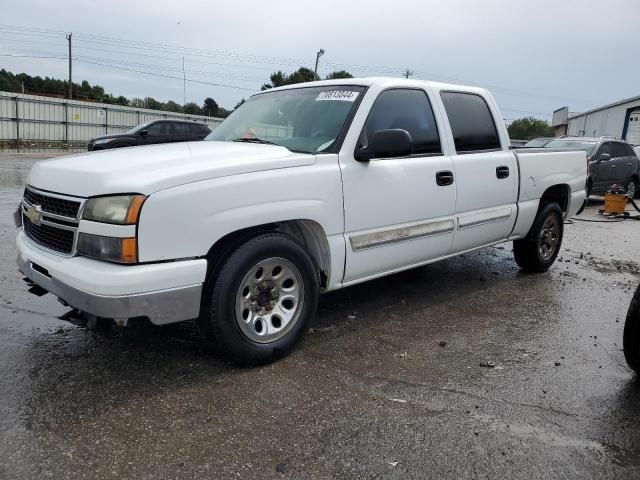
point(615, 200)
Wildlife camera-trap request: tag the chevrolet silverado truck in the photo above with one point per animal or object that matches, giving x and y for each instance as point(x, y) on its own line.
point(304, 189)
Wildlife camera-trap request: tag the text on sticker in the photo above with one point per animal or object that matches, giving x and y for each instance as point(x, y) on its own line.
point(340, 95)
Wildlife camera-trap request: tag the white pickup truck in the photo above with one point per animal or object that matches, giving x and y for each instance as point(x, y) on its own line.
point(303, 189)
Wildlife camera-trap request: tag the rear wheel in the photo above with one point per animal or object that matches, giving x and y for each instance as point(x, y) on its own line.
point(631, 338)
point(260, 300)
point(539, 249)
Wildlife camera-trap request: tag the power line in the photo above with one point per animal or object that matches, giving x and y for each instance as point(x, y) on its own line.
point(169, 76)
point(253, 58)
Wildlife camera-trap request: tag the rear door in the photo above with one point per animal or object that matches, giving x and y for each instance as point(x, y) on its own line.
point(179, 131)
point(398, 211)
point(486, 172)
point(158, 132)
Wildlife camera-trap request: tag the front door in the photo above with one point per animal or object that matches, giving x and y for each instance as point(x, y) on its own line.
point(398, 211)
point(605, 170)
point(486, 175)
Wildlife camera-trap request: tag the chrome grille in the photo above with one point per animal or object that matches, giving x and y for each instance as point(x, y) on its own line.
point(57, 225)
point(49, 237)
point(52, 204)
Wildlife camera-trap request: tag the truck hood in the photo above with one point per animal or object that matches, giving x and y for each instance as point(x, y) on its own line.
point(149, 169)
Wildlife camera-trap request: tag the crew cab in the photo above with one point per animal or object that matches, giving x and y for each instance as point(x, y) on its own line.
point(304, 189)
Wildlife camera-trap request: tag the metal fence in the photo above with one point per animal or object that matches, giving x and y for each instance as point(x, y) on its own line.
point(34, 121)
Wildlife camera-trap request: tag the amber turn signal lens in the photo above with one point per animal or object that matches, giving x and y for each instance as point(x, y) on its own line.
point(129, 250)
point(134, 209)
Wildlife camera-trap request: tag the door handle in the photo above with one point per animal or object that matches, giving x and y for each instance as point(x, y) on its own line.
point(502, 172)
point(613, 166)
point(629, 164)
point(444, 178)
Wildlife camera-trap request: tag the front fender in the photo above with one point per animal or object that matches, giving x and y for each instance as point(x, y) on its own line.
point(185, 221)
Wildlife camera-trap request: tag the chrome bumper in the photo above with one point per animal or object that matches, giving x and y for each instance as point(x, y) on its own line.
point(160, 307)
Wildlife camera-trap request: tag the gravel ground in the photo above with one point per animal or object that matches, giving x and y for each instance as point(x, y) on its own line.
point(388, 383)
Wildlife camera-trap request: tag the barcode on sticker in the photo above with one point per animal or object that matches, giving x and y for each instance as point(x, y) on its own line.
point(340, 95)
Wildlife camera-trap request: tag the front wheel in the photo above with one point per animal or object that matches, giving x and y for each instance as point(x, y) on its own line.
point(539, 249)
point(259, 302)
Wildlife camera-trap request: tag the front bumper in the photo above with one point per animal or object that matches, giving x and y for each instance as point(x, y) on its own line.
point(162, 292)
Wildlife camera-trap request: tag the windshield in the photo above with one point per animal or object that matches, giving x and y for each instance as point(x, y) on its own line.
point(138, 128)
point(583, 145)
point(307, 119)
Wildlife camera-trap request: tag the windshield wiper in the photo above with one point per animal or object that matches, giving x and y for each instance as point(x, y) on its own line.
point(254, 140)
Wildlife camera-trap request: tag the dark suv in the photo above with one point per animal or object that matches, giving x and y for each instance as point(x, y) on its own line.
point(159, 131)
point(609, 161)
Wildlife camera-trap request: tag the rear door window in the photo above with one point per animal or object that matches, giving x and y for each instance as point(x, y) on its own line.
point(472, 125)
point(406, 109)
point(621, 150)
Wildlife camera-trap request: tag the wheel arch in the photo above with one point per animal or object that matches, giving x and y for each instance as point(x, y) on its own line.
point(559, 193)
point(309, 233)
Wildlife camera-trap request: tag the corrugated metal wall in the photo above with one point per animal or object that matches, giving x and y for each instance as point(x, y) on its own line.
point(608, 121)
point(43, 120)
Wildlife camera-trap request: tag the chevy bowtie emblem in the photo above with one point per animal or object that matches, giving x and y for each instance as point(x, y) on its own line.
point(34, 214)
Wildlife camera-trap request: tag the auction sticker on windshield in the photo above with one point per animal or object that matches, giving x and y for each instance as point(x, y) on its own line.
point(340, 95)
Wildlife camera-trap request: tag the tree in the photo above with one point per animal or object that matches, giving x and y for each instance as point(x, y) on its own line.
point(279, 78)
point(210, 107)
point(528, 128)
point(339, 74)
point(239, 103)
point(192, 109)
point(172, 106)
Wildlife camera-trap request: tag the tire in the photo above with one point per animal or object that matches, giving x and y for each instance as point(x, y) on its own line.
point(632, 185)
point(631, 337)
point(538, 250)
point(257, 304)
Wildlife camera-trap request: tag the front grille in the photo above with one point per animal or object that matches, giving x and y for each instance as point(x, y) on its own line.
point(54, 205)
point(49, 237)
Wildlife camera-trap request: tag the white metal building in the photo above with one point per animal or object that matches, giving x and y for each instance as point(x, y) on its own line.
point(620, 119)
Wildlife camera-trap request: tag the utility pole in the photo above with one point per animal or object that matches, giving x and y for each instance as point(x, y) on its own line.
point(70, 78)
point(184, 84)
point(315, 70)
point(407, 73)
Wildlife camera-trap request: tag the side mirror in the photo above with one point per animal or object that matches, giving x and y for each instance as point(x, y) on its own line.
point(604, 157)
point(386, 144)
point(143, 133)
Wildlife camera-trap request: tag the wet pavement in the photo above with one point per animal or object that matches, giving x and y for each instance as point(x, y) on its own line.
point(390, 382)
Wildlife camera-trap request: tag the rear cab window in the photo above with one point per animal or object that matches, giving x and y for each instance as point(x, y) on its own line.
point(472, 124)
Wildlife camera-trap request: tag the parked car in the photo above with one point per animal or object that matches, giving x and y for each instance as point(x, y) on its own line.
point(610, 161)
point(304, 189)
point(159, 131)
point(538, 142)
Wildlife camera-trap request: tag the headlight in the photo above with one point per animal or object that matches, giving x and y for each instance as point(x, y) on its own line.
point(120, 209)
point(121, 250)
point(102, 140)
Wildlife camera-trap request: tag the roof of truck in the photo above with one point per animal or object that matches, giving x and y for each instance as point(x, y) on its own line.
point(369, 81)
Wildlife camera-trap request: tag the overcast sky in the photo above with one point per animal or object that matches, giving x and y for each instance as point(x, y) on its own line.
point(535, 56)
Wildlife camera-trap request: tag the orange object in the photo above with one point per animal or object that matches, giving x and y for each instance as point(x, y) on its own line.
point(134, 209)
point(614, 203)
point(129, 250)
